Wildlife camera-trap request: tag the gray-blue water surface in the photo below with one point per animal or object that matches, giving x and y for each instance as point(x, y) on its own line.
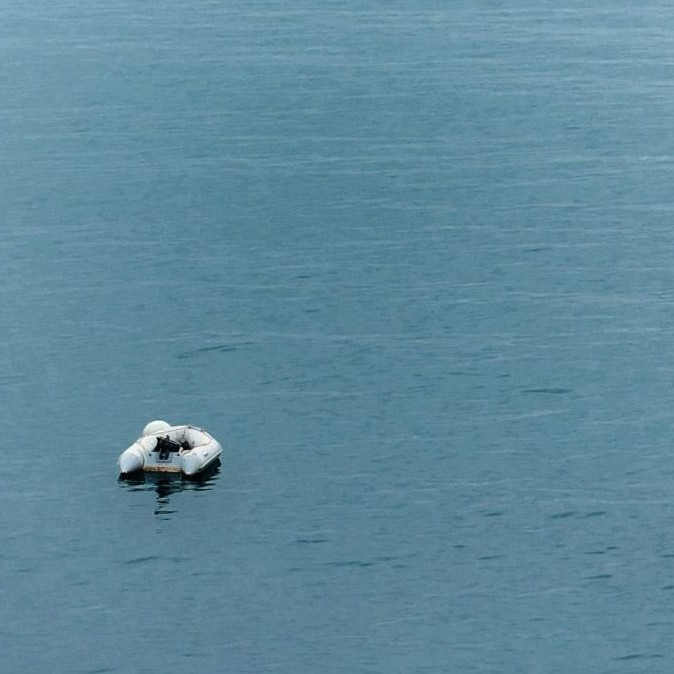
point(411, 263)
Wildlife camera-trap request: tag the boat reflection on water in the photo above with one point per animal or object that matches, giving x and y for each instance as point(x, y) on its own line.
point(165, 484)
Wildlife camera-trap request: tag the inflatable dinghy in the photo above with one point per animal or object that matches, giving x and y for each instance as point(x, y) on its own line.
point(170, 449)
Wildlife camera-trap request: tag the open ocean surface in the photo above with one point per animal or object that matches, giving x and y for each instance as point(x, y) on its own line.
point(412, 263)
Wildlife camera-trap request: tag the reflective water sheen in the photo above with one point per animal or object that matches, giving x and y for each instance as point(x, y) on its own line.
point(410, 264)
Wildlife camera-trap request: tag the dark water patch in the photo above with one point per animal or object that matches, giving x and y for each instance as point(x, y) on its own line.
point(489, 558)
point(563, 515)
point(310, 541)
point(639, 656)
point(205, 574)
point(495, 513)
point(141, 560)
point(536, 249)
point(596, 513)
point(668, 587)
point(191, 655)
point(217, 348)
point(600, 576)
point(136, 487)
point(357, 563)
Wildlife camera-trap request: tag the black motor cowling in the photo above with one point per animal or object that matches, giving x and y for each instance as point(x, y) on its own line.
point(165, 446)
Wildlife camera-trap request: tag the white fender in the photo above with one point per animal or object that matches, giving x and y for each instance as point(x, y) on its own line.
point(131, 459)
point(156, 427)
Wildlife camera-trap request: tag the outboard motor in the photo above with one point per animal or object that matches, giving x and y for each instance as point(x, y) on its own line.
point(165, 446)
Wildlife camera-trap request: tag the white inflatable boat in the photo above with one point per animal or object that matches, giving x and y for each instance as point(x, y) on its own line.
point(170, 449)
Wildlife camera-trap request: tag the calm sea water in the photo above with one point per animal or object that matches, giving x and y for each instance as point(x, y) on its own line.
point(411, 264)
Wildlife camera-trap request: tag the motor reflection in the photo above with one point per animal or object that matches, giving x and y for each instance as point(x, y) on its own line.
point(167, 484)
